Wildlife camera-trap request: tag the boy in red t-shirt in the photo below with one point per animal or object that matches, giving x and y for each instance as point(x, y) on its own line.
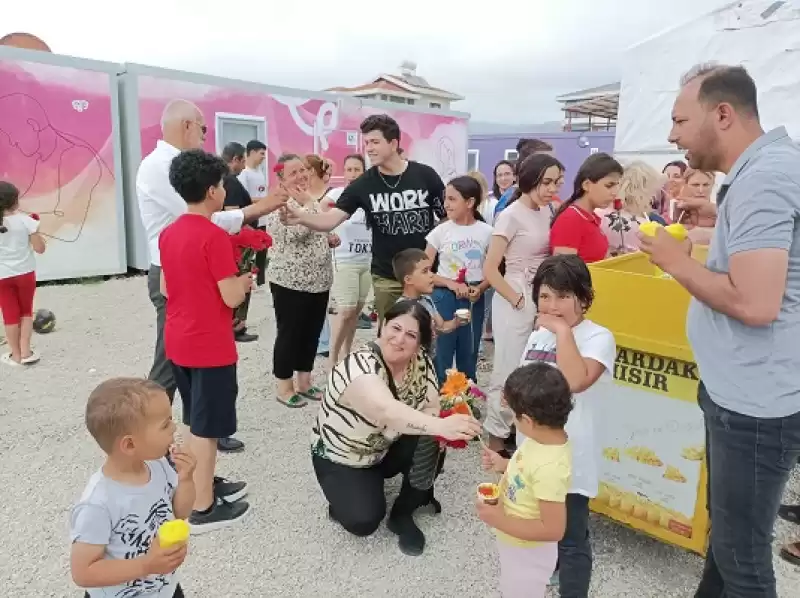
point(200, 278)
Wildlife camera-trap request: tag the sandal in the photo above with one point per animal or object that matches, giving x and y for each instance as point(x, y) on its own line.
point(6, 360)
point(30, 359)
point(791, 553)
point(293, 402)
point(313, 393)
point(790, 513)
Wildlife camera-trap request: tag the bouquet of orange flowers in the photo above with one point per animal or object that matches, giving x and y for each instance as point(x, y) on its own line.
point(459, 394)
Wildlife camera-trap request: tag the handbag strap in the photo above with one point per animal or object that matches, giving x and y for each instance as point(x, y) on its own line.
point(389, 378)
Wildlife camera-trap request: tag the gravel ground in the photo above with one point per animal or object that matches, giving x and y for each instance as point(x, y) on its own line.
point(286, 547)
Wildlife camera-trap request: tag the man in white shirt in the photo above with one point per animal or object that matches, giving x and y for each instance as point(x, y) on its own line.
point(255, 182)
point(183, 127)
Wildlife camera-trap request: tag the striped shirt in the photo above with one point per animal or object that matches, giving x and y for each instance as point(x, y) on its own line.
point(341, 434)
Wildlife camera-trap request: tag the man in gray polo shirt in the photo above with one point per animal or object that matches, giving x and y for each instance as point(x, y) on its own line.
point(743, 322)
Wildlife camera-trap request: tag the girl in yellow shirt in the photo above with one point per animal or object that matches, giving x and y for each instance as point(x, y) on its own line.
point(530, 517)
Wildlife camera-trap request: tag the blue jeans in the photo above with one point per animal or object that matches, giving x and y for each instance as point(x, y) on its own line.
point(749, 460)
point(464, 341)
point(575, 550)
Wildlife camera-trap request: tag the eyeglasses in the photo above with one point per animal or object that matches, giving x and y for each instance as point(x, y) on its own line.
point(203, 128)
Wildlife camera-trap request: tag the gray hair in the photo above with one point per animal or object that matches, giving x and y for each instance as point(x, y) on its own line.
point(178, 110)
point(721, 83)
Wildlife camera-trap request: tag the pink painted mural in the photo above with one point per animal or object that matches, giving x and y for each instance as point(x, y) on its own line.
point(300, 124)
point(57, 145)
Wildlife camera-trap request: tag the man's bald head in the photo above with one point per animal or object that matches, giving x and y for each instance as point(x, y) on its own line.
point(182, 125)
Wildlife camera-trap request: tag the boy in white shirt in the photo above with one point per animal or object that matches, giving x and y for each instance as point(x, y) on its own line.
point(253, 179)
point(585, 354)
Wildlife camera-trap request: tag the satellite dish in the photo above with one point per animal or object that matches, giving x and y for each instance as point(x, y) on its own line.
point(583, 141)
point(26, 41)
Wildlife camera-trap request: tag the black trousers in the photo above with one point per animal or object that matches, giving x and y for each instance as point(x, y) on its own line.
point(261, 263)
point(299, 317)
point(161, 371)
point(240, 313)
point(356, 495)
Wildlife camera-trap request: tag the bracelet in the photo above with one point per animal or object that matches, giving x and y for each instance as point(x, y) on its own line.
point(521, 298)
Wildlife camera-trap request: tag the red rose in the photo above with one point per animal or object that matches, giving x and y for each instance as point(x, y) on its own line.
point(618, 204)
point(456, 444)
point(462, 276)
point(34, 216)
point(251, 238)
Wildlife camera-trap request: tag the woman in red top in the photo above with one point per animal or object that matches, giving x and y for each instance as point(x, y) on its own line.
point(576, 228)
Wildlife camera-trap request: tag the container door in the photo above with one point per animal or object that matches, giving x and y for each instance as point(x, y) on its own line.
point(241, 128)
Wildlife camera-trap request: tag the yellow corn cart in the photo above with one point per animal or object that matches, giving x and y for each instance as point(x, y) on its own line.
point(649, 429)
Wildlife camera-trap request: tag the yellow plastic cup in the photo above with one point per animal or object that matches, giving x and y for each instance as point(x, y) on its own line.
point(173, 532)
point(649, 229)
point(489, 493)
point(677, 231)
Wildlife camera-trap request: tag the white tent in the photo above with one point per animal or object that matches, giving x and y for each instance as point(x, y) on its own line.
point(761, 35)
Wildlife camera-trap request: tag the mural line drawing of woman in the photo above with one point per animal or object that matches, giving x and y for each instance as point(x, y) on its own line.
point(58, 173)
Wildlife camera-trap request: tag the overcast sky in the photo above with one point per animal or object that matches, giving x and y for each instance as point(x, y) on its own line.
point(509, 58)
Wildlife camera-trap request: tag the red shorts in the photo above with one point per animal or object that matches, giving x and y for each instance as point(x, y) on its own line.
point(16, 297)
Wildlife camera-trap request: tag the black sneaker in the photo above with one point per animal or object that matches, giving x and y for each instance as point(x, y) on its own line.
point(221, 515)
point(244, 337)
point(230, 491)
point(230, 445)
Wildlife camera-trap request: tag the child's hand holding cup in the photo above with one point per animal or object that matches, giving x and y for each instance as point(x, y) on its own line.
point(489, 493)
point(168, 548)
point(463, 316)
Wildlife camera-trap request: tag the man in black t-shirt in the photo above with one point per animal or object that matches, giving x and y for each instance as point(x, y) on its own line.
point(237, 197)
point(402, 200)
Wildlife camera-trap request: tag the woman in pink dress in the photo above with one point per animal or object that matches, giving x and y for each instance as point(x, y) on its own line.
point(521, 237)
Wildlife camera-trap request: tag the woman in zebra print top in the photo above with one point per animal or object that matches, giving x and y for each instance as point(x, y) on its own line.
point(379, 418)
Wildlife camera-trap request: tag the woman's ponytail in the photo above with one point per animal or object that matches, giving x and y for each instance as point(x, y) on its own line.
point(576, 195)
